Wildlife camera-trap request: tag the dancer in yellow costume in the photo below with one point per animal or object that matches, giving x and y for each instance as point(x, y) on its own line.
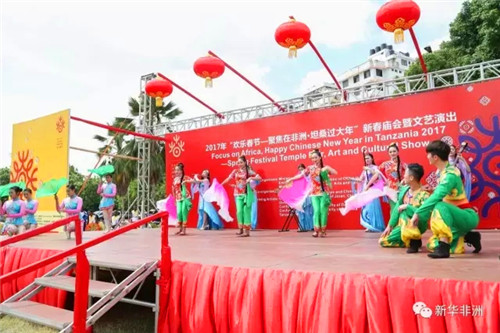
point(401, 232)
point(452, 216)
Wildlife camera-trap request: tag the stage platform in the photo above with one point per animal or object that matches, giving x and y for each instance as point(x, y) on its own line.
point(344, 251)
point(291, 281)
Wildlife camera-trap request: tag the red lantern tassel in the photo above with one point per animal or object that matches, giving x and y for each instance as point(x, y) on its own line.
point(159, 102)
point(292, 52)
point(399, 36)
point(208, 82)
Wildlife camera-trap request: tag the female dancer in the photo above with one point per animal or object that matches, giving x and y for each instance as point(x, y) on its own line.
point(393, 170)
point(457, 160)
point(14, 210)
point(371, 214)
point(243, 194)
point(182, 197)
point(108, 192)
point(305, 217)
point(207, 215)
point(71, 205)
point(319, 196)
point(31, 208)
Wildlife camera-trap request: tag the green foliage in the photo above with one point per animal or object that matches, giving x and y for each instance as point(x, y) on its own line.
point(474, 37)
point(89, 194)
point(125, 169)
point(4, 176)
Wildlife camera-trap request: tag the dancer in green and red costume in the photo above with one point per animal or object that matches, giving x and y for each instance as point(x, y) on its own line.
point(452, 216)
point(182, 197)
point(243, 194)
point(393, 170)
point(318, 172)
point(401, 232)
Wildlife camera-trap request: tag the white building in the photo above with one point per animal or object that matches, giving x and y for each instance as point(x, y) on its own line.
point(383, 63)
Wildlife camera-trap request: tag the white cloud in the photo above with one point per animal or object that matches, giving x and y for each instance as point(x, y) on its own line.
point(313, 80)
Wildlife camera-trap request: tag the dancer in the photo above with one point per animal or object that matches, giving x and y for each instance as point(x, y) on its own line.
point(319, 196)
point(371, 217)
point(14, 209)
point(401, 232)
point(71, 205)
point(182, 197)
point(452, 216)
point(306, 216)
point(31, 208)
point(393, 170)
point(108, 192)
point(207, 215)
point(243, 194)
point(458, 161)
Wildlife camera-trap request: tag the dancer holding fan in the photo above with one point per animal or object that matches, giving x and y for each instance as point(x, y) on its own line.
point(243, 194)
point(367, 189)
point(207, 215)
point(319, 195)
point(14, 209)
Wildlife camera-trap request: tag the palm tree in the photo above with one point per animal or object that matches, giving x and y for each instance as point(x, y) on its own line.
point(126, 170)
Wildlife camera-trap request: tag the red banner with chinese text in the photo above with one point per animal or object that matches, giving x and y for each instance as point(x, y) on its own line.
point(275, 146)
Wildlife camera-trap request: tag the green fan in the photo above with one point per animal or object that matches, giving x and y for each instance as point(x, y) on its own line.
point(103, 170)
point(4, 189)
point(51, 187)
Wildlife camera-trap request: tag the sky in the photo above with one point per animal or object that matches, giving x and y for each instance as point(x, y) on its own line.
point(88, 56)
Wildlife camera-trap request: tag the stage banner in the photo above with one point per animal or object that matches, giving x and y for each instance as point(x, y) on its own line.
point(275, 146)
point(40, 151)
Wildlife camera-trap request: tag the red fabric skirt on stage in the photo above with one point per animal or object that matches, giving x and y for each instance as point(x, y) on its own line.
point(207, 298)
point(13, 258)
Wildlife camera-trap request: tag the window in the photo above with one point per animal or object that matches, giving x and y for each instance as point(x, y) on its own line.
point(356, 79)
point(378, 72)
point(366, 74)
point(404, 62)
point(345, 84)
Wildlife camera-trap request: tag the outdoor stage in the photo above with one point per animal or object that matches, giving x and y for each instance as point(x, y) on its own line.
point(287, 282)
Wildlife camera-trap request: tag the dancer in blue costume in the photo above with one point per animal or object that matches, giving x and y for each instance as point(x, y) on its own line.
point(31, 208)
point(14, 210)
point(71, 205)
point(207, 215)
point(305, 217)
point(108, 192)
point(371, 217)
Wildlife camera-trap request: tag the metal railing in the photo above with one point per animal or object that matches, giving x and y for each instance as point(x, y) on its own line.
point(83, 266)
point(396, 87)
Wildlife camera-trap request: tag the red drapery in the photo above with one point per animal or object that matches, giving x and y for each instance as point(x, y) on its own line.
point(13, 258)
point(230, 299)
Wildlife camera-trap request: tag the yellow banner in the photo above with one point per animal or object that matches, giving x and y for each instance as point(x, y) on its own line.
point(40, 152)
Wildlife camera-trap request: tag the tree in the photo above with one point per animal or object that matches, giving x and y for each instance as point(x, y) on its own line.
point(89, 194)
point(474, 37)
point(4, 176)
point(126, 170)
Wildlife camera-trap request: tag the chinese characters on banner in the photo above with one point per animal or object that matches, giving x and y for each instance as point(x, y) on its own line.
point(275, 146)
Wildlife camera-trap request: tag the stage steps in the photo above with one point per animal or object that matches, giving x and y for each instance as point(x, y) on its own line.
point(109, 293)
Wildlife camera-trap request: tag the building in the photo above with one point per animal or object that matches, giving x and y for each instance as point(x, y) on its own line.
point(383, 64)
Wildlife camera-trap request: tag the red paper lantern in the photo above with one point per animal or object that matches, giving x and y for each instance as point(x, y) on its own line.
point(397, 16)
point(159, 89)
point(209, 68)
point(292, 35)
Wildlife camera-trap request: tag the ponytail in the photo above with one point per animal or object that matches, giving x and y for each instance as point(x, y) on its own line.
point(181, 167)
